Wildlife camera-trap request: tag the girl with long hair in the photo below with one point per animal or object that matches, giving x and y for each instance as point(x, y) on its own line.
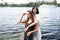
point(36, 35)
point(28, 35)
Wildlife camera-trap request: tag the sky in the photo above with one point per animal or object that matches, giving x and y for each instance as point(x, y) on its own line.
point(24, 1)
point(58, 1)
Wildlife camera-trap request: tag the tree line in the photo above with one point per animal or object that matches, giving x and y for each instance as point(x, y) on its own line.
point(31, 4)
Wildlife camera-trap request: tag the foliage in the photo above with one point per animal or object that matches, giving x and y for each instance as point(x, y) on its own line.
point(29, 4)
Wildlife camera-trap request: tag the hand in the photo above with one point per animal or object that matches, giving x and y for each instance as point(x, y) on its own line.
point(26, 29)
point(29, 33)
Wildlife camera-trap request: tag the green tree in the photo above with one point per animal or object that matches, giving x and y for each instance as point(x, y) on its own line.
point(1, 5)
point(6, 4)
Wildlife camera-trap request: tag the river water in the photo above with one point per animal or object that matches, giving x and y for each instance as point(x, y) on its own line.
point(49, 22)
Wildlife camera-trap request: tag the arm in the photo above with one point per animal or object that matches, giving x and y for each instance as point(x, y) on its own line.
point(22, 21)
point(34, 23)
point(35, 30)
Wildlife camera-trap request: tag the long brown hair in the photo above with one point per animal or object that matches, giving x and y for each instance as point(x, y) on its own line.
point(32, 18)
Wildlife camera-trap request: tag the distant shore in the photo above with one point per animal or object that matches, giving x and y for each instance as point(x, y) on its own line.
point(29, 4)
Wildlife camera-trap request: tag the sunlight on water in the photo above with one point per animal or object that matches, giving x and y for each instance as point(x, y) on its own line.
point(10, 28)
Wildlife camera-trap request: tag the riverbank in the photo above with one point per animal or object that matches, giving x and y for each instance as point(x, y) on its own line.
point(31, 4)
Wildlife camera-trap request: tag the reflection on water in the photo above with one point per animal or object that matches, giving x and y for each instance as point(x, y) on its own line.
point(10, 29)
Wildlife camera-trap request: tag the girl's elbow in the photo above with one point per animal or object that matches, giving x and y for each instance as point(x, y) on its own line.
point(21, 22)
point(36, 30)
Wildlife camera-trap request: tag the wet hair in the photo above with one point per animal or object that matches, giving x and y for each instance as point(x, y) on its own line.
point(32, 16)
point(36, 9)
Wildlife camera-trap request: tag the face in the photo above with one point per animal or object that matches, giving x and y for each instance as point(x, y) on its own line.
point(28, 15)
point(34, 10)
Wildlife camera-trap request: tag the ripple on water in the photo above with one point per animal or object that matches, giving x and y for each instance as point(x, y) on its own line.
point(10, 29)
